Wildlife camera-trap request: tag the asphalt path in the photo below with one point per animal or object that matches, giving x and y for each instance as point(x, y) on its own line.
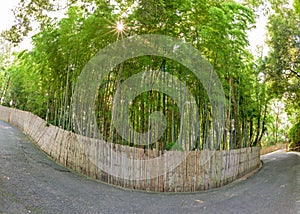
point(30, 182)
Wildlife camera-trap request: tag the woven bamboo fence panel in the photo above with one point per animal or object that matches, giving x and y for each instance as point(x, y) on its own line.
point(201, 170)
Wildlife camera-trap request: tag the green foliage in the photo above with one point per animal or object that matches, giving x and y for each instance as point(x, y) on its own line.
point(173, 146)
point(43, 80)
point(297, 6)
point(29, 12)
point(294, 135)
point(282, 64)
point(281, 67)
point(26, 86)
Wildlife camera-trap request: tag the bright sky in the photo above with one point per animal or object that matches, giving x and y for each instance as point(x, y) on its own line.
point(256, 36)
point(7, 20)
point(6, 15)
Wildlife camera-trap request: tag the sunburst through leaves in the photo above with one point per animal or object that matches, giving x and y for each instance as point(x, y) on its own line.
point(119, 28)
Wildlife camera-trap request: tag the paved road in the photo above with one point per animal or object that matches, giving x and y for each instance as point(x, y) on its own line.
point(30, 182)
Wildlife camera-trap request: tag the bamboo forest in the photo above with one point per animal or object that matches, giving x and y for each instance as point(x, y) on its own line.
point(261, 87)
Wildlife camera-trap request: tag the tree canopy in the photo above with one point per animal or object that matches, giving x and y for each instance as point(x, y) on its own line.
point(42, 80)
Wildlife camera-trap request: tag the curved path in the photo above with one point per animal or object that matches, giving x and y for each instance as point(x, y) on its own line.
point(30, 182)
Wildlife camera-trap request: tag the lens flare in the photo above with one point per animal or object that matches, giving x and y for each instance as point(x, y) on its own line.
point(120, 26)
